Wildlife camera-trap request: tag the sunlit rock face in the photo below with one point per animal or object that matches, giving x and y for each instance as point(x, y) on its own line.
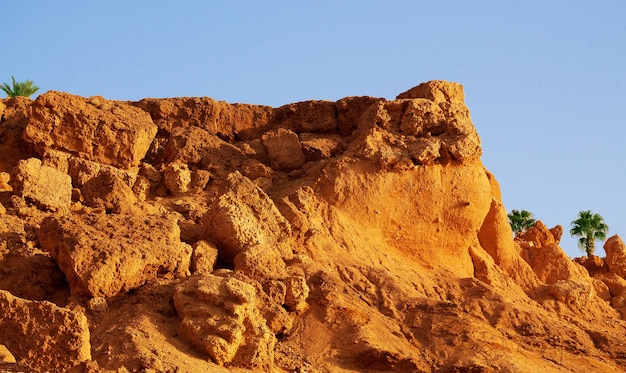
point(189, 234)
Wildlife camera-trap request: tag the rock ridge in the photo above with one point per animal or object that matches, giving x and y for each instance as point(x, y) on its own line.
point(189, 234)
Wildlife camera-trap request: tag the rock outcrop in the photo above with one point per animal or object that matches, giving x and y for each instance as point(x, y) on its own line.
point(615, 255)
point(189, 234)
point(216, 117)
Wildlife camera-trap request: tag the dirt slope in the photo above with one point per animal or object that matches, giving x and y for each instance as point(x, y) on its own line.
point(192, 235)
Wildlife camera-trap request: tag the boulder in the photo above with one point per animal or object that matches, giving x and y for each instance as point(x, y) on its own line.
point(177, 178)
point(199, 180)
point(425, 151)
point(220, 316)
point(283, 149)
point(538, 236)
point(204, 257)
point(458, 135)
point(24, 272)
point(615, 255)
point(422, 117)
point(43, 186)
point(246, 219)
point(437, 91)
point(197, 147)
point(82, 170)
point(557, 233)
point(42, 335)
point(254, 170)
point(110, 192)
point(148, 180)
point(108, 132)
point(104, 255)
point(260, 261)
point(593, 264)
point(193, 144)
point(420, 130)
point(316, 146)
point(349, 110)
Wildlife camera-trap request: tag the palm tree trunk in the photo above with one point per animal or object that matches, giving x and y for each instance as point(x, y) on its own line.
point(590, 246)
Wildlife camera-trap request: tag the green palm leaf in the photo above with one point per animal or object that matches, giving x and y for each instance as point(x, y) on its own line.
point(521, 221)
point(26, 88)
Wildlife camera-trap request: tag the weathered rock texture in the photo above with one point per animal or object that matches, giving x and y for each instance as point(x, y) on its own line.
point(220, 316)
point(109, 132)
point(616, 255)
point(217, 117)
point(41, 185)
point(250, 230)
point(104, 255)
point(358, 235)
point(47, 336)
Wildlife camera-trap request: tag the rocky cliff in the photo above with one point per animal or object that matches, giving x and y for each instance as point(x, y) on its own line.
point(192, 235)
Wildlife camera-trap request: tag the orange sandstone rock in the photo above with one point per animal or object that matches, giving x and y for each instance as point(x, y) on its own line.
point(217, 117)
point(616, 255)
point(283, 149)
point(249, 229)
point(13, 119)
point(548, 260)
point(357, 235)
point(104, 255)
point(41, 185)
point(43, 335)
point(220, 316)
point(109, 132)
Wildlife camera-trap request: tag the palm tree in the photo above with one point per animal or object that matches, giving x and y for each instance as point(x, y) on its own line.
point(590, 227)
point(521, 221)
point(26, 88)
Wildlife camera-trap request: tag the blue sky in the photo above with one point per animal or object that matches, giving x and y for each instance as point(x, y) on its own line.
point(545, 80)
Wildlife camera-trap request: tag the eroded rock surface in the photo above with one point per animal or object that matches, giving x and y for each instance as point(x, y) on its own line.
point(220, 316)
point(616, 255)
point(43, 335)
point(109, 132)
point(216, 117)
point(42, 185)
point(250, 231)
point(104, 255)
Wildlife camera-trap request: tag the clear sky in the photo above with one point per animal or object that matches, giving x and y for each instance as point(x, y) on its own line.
point(545, 80)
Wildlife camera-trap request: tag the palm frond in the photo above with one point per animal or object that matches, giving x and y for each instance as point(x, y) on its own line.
point(520, 221)
point(26, 88)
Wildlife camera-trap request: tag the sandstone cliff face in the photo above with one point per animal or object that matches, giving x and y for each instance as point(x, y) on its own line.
point(189, 234)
